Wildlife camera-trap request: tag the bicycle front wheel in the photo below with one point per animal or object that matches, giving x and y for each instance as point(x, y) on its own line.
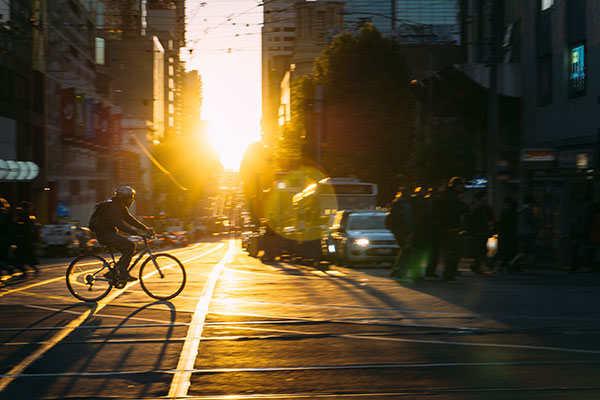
point(85, 278)
point(162, 276)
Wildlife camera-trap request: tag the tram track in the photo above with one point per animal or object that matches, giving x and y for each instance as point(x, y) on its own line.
point(65, 330)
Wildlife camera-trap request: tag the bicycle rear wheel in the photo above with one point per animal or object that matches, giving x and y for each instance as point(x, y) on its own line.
point(163, 278)
point(85, 278)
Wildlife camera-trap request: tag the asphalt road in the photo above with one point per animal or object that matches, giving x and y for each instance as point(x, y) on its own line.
point(246, 330)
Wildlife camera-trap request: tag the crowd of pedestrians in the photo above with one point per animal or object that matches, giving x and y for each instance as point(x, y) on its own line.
point(431, 227)
point(19, 233)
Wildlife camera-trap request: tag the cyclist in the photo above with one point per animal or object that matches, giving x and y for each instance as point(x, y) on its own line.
point(117, 218)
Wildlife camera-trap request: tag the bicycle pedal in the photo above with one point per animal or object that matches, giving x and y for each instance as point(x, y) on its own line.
point(119, 284)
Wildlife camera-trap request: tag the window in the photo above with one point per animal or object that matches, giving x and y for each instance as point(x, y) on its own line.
point(577, 70)
point(171, 70)
point(546, 4)
point(544, 80)
point(100, 51)
point(171, 109)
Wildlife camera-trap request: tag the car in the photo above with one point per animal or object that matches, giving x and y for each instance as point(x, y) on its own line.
point(86, 240)
point(59, 240)
point(359, 237)
point(179, 238)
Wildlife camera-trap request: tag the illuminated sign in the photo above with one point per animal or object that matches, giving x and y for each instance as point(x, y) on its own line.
point(536, 155)
point(477, 183)
point(577, 70)
point(18, 170)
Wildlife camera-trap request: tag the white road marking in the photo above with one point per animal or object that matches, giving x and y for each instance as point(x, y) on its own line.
point(70, 327)
point(181, 380)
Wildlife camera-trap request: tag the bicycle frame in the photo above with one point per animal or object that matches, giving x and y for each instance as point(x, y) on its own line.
point(141, 254)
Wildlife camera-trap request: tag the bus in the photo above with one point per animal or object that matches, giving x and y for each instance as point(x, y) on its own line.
point(317, 203)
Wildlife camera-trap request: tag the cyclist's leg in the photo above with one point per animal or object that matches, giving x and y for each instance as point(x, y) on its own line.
point(125, 246)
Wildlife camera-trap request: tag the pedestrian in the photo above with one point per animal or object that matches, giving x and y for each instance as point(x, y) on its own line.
point(479, 223)
point(527, 228)
point(434, 234)
point(399, 222)
point(507, 234)
point(7, 229)
point(594, 238)
point(580, 234)
point(26, 237)
point(451, 212)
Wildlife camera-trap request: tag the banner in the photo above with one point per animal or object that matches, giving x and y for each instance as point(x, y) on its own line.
point(80, 115)
point(98, 122)
point(115, 129)
point(89, 119)
point(67, 111)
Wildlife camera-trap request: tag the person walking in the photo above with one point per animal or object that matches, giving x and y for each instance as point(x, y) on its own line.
point(507, 234)
point(580, 231)
point(451, 212)
point(434, 235)
point(479, 225)
point(527, 228)
point(27, 235)
point(400, 223)
point(7, 229)
point(594, 238)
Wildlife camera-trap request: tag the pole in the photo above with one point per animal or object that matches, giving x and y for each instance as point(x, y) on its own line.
point(393, 15)
point(493, 117)
point(318, 123)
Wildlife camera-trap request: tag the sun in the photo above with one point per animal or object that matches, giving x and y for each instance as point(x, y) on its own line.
point(230, 138)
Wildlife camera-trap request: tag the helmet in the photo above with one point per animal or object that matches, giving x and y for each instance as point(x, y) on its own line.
point(125, 194)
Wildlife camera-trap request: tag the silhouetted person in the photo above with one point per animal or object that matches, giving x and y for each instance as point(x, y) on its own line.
point(26, 237)
point(400, 224)
point(7, 230)
point(479, 223)
point(451, 211)
point(434, 233)
point(580, 232)
point(527, 228)
point(508, 243)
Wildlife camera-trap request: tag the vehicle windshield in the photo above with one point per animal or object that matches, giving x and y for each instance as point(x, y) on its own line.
point(367, 221)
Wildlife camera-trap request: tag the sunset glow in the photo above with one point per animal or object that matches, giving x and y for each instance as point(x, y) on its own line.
point(224, 46)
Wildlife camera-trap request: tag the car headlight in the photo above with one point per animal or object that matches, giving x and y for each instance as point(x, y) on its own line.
point(362, 242)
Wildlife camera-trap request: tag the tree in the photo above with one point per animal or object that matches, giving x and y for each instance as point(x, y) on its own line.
point(368, 110)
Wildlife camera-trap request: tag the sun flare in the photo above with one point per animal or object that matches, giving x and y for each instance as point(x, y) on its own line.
point(230, 138)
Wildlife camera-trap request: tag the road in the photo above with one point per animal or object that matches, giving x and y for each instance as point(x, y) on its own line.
point(246, 330)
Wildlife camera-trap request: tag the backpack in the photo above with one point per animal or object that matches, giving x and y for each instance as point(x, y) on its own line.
point(96, 215)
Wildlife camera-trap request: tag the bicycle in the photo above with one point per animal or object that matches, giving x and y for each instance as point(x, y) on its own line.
point(162, 276)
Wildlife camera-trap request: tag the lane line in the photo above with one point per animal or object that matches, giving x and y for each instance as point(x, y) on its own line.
point(181, 380)
point(70, 327)
point(6, 291)
point(315, 368)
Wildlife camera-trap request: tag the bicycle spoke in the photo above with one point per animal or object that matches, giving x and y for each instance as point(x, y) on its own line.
point(162, 277)
point(85, 278)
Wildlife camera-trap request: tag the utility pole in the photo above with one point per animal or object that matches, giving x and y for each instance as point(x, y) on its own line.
point(318, 123)
point(393, 15)
point(493, 118)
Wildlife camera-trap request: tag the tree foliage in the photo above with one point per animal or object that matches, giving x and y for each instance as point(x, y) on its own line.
point(368, 130)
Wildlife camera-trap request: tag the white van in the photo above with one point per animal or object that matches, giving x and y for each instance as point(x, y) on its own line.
point(60, 240)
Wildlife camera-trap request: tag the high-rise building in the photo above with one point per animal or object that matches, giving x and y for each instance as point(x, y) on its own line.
point(278, 33)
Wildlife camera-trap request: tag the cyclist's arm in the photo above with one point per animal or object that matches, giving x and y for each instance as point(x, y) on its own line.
point(133, 221)
point(115, 217)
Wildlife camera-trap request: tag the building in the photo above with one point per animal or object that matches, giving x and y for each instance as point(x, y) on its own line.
point(560, 126)
point(22, 139)
point(278, 33)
